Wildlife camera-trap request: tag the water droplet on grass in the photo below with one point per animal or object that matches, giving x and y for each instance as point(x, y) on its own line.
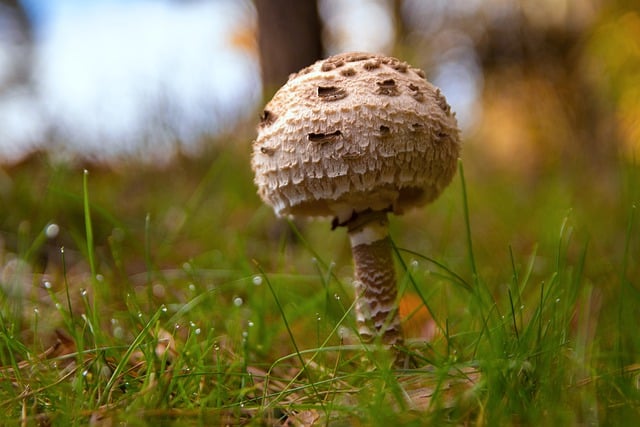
point(257, 280)
point(52, 231)
point(164, 308)
point(83, 292)
point(237, 301)
point(343, 332)
point(250, 324)
point(47, 284)
point(337, 297)
point(414, 264)
point(192, 287)
point(197, 331)
point(118, 332)
point(158, 290)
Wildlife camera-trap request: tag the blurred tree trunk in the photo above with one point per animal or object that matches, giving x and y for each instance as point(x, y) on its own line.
point(289, 38)
point(554, 55)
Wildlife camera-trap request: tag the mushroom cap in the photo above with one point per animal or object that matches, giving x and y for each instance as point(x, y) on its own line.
point(351, 133)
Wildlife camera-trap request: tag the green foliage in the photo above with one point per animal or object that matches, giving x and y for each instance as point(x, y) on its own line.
point(179, 299)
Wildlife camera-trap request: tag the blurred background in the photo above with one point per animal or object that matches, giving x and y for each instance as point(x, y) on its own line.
point(159, 99)
point(534, 83)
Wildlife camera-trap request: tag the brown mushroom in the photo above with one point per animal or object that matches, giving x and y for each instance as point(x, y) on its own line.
point(356, 136)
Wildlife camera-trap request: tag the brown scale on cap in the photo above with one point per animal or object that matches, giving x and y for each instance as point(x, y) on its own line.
point(352, 137)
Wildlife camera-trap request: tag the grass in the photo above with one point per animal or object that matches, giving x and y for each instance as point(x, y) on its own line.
point(174, 296)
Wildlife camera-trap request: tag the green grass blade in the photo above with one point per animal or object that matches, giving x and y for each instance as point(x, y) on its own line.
point(293, 340)
point(124, 360)
point(87, 223)
point(467, 223)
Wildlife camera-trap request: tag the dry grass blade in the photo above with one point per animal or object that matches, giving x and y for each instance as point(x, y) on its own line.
point(423, 388)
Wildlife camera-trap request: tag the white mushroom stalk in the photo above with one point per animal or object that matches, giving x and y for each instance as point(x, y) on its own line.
point(375, 279)
point(353, 137)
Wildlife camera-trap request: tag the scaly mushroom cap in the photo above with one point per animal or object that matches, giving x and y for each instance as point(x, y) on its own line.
point(354, 132)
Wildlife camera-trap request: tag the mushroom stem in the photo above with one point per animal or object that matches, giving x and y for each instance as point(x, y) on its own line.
point(375, 281)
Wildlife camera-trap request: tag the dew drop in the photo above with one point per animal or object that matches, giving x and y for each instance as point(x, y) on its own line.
point(192, 324)
point(83, 292)
point(163, 308)
point(139, 315)
point(192, 287)
point(36, 311)
point(237, 301)
point(158, 290)
point(245, 334)
point(414, 264)
point(52, 231)
point(343, 332)
point(118, 332)
point(105, 372)
point(176, 327)
point(257, 280)
point(557, 300)
point(47, 284)
point(337, 297)
point(85, 373)
point(250, 324)
point(197, 331)
point(58, 306)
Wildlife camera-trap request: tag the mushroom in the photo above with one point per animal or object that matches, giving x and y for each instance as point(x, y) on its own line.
point(354, 137)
